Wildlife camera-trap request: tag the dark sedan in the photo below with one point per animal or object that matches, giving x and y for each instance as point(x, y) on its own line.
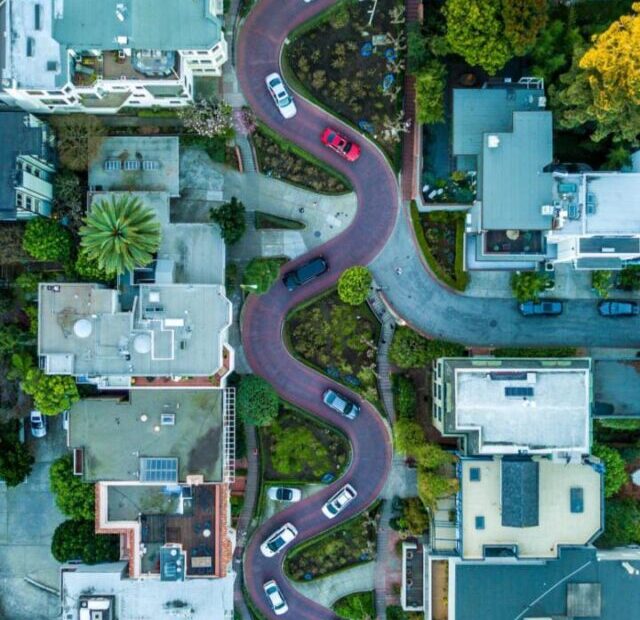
point(613, 308)
point(548, 307)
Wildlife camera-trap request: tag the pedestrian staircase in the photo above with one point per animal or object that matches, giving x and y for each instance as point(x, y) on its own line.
point(246, 153)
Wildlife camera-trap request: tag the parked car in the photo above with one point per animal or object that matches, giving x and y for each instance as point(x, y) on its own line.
point(338, 143)
point(341, 404)
point(305, 273)
point(548, 307)
point(38, 424)
point(339, 501)
point(280, 95)
point(275, 598)
point(65, 419)
point(618, 308)
point(284, 494)
point(278, 540)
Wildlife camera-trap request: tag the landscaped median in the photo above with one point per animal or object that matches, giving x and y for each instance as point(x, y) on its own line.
point(339, 548)
point(440, 235)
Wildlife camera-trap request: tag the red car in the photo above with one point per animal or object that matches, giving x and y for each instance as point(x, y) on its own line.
point(342, 146)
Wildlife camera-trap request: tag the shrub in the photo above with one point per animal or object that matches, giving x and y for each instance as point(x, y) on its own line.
point(51, 394)
point(629, 279)
point(69, 197)
point(47, 239)
point(527, 285)
point(354, 284)
point(602, 282)
point(621, 425)
point(11, 243)
point(535, 352)
point(416, 517)
point(78, 139)
point(431, 82)
point(358, 606)
point(209, 119)
point(340, 17)
point(257, 401)
point(615, 474)
point(411, 350)
point(77, 540)
point(622, 523)
point(261, 273)
point(296, 448)
point(431, 456)
point(408, 435)
point(231, 219)
point(432, 486)
point(89, 269)
point(74, 497)
point(16, 461)
point(404, 396)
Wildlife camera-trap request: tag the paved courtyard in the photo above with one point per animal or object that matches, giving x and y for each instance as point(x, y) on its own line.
point(28, 517)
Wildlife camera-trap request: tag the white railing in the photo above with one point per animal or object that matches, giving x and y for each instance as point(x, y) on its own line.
point(229, 434)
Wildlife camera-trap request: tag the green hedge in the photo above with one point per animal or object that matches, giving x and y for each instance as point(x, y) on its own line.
point(404, 396)
point(462, 277)
point(269, 221)
point(535, 352)
point(285, 145)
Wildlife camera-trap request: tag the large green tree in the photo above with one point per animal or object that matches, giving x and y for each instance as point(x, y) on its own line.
point(47, 239)
point(615, 474)
point(523, 20)
point(77, 540)
point(354, 284)
point(476, 32)
point(16, 460)
point(74, 497)
point(52, 394)
point(120, 234)
point(257, 402)
point(231, 219)
point(261, 273)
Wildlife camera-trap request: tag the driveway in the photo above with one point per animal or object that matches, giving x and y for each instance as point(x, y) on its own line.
point(28, 517)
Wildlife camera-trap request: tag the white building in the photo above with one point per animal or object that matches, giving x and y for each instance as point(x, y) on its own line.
point(98, 57)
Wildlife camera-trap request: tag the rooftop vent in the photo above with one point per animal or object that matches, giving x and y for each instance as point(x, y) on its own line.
point(493, 141)
point(168, 419)
point(82, 328)
point(121, 12)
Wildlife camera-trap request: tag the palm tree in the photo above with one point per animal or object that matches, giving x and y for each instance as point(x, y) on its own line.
point(120, 234)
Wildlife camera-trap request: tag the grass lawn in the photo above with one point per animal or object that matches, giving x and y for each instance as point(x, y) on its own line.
point(357, 606)
point(362, 85)
point(296, 448)
point(337, 339)
point(216, 148)
point(283, 160)
point(347, 545)
point(441, 237)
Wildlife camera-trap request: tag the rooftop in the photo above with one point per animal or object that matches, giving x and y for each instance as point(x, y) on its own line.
point(86, 330)
point(616, 386)
point(506, 591)
point(135, 163)
point(517, 405)
point(569, 507)
point(117, 435)
point(146, 599)
point(137, 24)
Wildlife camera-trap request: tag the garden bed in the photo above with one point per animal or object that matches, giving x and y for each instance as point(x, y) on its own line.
point(215, 148)
point(338, 339)
point(296, 448)
point(357, 606)
point(440, 235)
point(334, 61)
point(283, 160)
point(337, 549)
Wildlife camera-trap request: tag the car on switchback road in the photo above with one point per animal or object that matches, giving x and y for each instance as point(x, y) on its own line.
point(280, 95)
point(338, 143)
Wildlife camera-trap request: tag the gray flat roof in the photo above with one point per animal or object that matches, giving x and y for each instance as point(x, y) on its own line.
point(616, 197)
point(477, 111)
point(514, 186)
point(146, 24)
point(510, 591)
point(115, 438)
point(162, 173)
point(146, 599)
point(616, 387)
point(173, 330)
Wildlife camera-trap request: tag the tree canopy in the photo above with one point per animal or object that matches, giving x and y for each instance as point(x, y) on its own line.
point(411, 350)
point(77, 540)
point(354, 284)
point(261, 273)
point(74, 497)
point(78, 138)
point(231, 219)
point(51, 394)
point(615, 474)
point(47, 239)
point(257, 402)
point(527, 285)
point(431, 82)
point(120, 234)
point(16, 460)
point(523, 20)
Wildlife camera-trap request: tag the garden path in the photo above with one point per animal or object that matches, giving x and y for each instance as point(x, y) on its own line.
point(327, 590)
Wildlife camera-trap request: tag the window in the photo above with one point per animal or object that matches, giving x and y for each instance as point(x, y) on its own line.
point(474, 474)
point(159, 469)
point(31, 47)
point(480, 523)
point(19, 199)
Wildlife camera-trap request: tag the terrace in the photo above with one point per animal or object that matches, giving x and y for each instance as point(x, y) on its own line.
point(511, 242)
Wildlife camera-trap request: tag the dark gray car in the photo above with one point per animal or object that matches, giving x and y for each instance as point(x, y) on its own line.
point(618, 308)
point(305, 273)
point(548, 307)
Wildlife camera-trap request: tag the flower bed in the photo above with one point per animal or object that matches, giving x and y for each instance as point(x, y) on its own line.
point(337, 339)
point(353, 66)
point(295, 448)
point(339, 548)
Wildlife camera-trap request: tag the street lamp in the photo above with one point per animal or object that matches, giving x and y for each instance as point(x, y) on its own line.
point(251, 286)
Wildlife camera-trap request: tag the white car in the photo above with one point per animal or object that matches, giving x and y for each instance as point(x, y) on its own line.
point(275, 598)
point(280, 95)
point(339, 501)
point(278, 540)
point(38, 424)
point(284, 494)
point(65, 419)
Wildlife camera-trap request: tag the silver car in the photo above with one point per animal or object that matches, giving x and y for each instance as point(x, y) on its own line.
point(341, 404)
point(278, 540)
point(275, 598)
point(280, 95)
point(38, 424)
point(339, 501)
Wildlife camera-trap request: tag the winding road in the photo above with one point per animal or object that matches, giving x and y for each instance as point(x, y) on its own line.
point(377, 235)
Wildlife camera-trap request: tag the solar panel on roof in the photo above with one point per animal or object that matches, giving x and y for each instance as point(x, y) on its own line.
point(150, 164)
point(163, 469)
point(518, 391)
point(132, 164)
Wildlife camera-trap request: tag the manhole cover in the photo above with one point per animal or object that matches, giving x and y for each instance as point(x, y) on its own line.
point(317, 233)
point(493, 323)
